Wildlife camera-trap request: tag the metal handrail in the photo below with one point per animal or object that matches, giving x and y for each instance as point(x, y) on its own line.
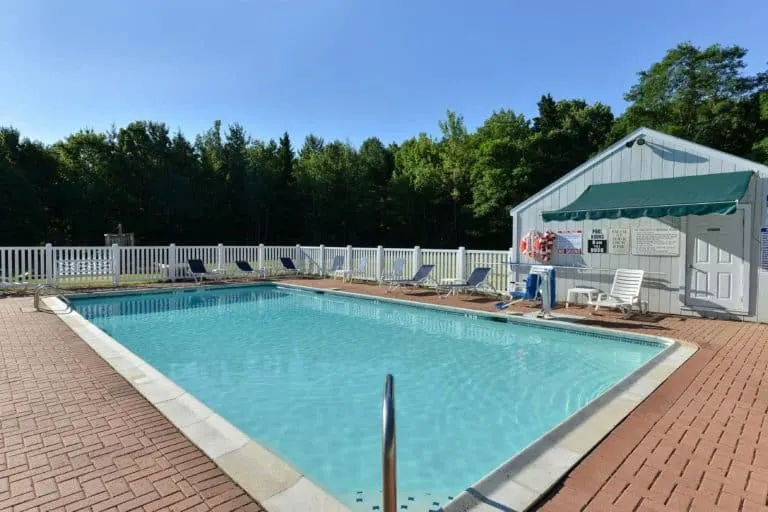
point(38, 290)
point(389, 450)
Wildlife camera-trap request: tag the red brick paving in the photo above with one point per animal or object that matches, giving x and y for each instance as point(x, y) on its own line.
point(75, 435)
point(699, 442)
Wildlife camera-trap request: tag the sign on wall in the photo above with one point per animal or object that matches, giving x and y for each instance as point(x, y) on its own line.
point(570, 242)
point(619, 240)
point(655, 242)
point(597, 243)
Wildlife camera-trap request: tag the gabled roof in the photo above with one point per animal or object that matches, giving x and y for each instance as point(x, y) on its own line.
point(619, 145)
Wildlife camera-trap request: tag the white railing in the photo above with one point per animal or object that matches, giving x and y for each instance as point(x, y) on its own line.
point(113, 265)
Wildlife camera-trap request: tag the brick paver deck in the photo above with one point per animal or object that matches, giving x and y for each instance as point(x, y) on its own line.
point(75, 435)
point(699, 442)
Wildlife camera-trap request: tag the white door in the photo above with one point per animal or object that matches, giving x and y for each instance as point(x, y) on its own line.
point(715, 254)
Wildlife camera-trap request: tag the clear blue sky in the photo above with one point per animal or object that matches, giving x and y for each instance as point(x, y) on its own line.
point(343, 69)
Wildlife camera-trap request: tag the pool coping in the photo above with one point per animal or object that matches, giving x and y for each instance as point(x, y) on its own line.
point(518, 483)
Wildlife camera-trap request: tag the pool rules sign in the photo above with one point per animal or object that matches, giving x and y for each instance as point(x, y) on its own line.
point(597, 242)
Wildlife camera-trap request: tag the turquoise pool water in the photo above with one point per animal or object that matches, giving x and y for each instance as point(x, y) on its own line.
point(303, 374)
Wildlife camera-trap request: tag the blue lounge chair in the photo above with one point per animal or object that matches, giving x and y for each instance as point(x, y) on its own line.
point(530, 292)
point(419, 278)
point(244, 267)
point(199, 272)
point(473, 282)
point(288, 266)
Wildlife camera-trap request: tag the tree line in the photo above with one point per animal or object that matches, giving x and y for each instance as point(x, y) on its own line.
point(446, 191)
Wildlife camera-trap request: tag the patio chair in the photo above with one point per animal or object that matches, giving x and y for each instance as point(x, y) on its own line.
point(199, 272)
point(420, 277)
point(7, 286)
point(397, 272)
point(473, 282)
point(359, 271)
point(530, 291)
point(337, 268)
point(288, 266)
point(245, 268)
point(624, 294)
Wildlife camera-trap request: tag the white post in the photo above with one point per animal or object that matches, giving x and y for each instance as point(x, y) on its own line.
point(299, 257)
point(49, 264)
point(461, 264)
point(171, 262)
point(379, 263)
point(348, 261)
point(261, 258)
point(220, 257)
point(115, 265)
point(322, 260)
point(416, 258)
point(511, 272)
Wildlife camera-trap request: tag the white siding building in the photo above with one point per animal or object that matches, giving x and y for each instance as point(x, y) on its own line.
point(703, 250)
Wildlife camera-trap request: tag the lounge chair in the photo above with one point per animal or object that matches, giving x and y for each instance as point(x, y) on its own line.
point(397, 272)
point(359, 271)
point(288, 266)
point(243, 267)
point(199, 272)
point(473, 282)
point(420, 277)
point(8, 286)
point(625, 292)
point(529, 292)
point(337, 268)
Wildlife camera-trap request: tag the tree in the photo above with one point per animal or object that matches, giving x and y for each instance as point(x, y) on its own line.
point(700, 95)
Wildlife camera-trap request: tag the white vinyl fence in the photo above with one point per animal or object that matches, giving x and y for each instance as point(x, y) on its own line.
point(115, 265)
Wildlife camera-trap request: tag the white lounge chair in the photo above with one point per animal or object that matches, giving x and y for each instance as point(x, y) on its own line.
point(625, 292)
point(337, 268)
point(8, 286)
point(360, 270)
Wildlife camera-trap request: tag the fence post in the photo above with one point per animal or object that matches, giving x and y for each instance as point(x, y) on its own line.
point(48, 264)
point(511, 272)
point(299, 257)
point(220, 257)
point(261, 257)
point(348, 261)
point(171, 262)
point(461, 264)
point(379, 263)
point(322, 260)
point(416, 258)
point(115, 265)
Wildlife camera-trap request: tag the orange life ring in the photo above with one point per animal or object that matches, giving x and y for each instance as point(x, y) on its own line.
point(528, 244)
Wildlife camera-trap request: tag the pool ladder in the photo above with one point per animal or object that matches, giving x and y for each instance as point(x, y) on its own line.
point(39, 290)
point(389, 451)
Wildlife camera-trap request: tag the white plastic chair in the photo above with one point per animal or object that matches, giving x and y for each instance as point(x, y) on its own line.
point(625, 292)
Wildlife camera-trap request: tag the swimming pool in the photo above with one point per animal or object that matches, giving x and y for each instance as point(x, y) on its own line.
point(302, 373)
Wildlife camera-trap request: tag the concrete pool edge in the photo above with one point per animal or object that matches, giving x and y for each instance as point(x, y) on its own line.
point(518, 483)
point(267, 478)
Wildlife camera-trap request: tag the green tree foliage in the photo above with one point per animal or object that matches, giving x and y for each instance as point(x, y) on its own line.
point(445, 191)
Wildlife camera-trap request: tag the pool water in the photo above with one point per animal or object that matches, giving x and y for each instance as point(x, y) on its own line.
point(303, 373)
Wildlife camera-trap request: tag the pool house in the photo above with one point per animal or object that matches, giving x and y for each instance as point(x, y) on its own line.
point(693, 218)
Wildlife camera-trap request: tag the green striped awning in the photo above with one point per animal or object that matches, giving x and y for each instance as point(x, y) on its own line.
point(674, 197)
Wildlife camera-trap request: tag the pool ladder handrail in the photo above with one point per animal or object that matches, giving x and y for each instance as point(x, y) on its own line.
point(39, 289)
point(389, 449)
